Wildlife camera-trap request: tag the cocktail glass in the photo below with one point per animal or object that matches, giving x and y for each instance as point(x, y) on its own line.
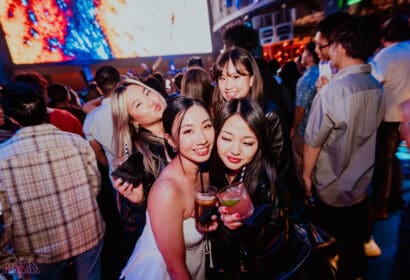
point(205, 204)
point(237, 199)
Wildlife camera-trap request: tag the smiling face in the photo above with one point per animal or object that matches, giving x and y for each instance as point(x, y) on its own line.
point(196, 134)
point(144, 106)
point(237, 144)
point(322, 46)
point(233, 84)
point(307, 58)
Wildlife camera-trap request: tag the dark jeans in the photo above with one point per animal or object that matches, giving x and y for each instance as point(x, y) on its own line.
point(348, 225)
point(87, 266)
point(387, 177)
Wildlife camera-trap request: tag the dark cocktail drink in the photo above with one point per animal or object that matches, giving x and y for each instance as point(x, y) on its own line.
point(205, 202)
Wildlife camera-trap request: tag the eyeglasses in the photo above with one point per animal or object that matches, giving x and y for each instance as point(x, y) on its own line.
point(321, 47)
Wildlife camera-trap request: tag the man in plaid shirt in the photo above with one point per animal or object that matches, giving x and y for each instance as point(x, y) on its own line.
point(49, 183)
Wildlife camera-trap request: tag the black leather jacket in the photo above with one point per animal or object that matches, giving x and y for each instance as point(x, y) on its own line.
point(279, 138)
point(230, 248)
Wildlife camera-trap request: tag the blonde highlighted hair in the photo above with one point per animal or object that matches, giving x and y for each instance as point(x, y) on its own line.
point(126, 134)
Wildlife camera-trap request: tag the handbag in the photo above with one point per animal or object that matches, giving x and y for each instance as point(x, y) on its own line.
point(282, 248)
point(322, 262)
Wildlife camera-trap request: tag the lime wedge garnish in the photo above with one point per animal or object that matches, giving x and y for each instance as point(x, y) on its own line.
point(231, 202)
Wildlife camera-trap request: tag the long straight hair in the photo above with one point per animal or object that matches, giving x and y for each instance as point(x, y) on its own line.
point(245, 64)
point(252, 114)
point(196, 83)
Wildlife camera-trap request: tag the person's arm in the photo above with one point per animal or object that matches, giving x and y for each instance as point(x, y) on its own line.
point(299, 115)
point(99, 153)
point(92, 104)
point(166, 213)
point(310, 156)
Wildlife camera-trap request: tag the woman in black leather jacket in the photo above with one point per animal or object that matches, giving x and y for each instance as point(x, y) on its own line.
point(242, 155)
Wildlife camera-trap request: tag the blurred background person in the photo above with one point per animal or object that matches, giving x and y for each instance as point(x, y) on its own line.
point(55, 216)
point(153, 82)
point(194, 61)
point(60, 98)
point(340, 139)
point(62, 119)
point(98, 127)
point(196, 83)
point(391, 67)
point(7, 126)
point(324, 30)
point(175, 85)
point(305, 92)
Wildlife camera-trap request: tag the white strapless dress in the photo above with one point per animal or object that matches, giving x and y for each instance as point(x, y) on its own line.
point(146, 262)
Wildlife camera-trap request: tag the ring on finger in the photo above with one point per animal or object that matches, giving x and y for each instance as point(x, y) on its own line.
point(128, 193)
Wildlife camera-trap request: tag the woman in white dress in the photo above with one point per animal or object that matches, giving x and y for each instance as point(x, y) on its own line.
point(170, 247)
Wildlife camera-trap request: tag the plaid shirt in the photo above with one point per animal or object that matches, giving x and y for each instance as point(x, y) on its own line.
point(49, 182)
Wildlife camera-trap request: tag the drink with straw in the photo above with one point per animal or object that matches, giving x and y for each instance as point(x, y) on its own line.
point(205, 204)
point(237, 199)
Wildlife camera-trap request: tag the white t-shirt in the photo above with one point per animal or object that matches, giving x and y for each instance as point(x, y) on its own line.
point(391, 67)
point(325, 69)
point(98, 126)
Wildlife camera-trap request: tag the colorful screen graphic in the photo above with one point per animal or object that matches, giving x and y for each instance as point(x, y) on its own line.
point(44, 31)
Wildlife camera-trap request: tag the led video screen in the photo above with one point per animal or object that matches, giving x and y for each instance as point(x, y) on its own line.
point(48, 31)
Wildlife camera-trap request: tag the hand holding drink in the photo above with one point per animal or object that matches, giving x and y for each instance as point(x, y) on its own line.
point(236, 198)
point(205, 206)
